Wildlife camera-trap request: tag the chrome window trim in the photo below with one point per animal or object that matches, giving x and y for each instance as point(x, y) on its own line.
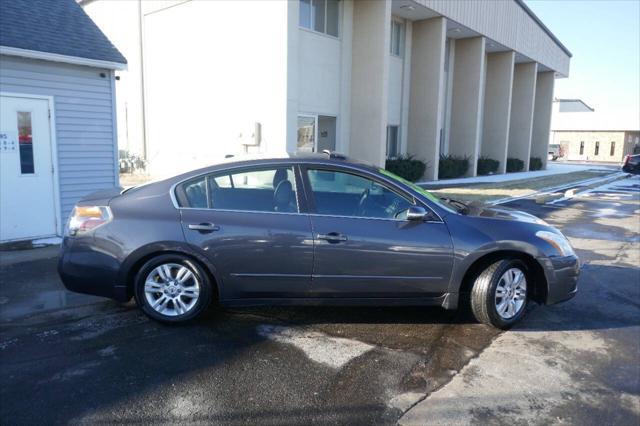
point(294, 164)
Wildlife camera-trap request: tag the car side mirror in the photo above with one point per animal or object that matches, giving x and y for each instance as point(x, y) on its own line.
point(416, 213)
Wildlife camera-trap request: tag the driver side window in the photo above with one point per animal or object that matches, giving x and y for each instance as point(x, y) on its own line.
point(345, 194)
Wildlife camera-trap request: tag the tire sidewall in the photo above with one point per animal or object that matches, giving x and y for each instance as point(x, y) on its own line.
point(495, 279)
point(204, 298)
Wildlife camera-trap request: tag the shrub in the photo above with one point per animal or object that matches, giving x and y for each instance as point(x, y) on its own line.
point(452, 166)
point(487, 166)
point(535, 163)
point(514, 165)
point(406, 167)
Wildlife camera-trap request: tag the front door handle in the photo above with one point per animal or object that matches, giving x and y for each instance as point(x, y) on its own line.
point(332, 237)
point(203, 227)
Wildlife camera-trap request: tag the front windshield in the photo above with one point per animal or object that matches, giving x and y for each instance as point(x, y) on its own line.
point(419, 190)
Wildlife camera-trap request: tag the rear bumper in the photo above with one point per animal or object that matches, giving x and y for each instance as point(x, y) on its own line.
point(562, 277)
point(84, 269)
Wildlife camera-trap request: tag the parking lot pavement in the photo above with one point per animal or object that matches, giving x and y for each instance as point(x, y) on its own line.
point(89, 360)
point(573, 363)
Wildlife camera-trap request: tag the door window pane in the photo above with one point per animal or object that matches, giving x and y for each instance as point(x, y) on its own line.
point(25, 139)
point(306, 134)
point(318, 7)
point(333, 17)
point(305, 14)
point(264, 190)
point(345, 194)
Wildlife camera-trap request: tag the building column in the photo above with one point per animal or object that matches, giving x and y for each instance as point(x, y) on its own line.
point(369, 75)
point(497, 107)
point(522, 100)
point(427, 90)
point(542, 116)
point(467, 100)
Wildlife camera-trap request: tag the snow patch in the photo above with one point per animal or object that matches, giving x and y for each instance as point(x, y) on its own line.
point(334, 352)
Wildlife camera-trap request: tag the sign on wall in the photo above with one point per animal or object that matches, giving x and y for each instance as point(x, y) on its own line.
point(8, 141)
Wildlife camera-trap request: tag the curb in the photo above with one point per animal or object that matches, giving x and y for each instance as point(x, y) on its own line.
point(546, 195)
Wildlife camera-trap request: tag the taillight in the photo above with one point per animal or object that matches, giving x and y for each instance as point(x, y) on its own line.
point(86, 218)
point(627, 159)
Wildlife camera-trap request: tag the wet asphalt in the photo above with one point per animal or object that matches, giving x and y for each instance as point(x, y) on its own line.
point(76, 359)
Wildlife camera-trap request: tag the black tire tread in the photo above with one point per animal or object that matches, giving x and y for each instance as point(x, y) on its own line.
point(479, 293)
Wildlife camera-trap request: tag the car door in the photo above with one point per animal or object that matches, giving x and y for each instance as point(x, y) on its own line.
point(248, 223)
point(362, 249)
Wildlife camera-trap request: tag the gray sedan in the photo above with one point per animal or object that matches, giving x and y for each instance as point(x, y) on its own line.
point(309, 230)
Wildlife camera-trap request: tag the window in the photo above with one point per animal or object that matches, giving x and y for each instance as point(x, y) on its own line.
point(306, 133)
point(322, 16)
point(25, 141)
point(393, 141)
point(581, 147)
point(597, 149)
point(612, 152)
point(345, 194)
point(263, 190)
point(397, 38)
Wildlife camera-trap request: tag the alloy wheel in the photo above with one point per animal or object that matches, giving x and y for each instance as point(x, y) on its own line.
point(172, 289)
point(511, 293)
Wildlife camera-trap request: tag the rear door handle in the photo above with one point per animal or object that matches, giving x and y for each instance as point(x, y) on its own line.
point(203, 227)
point(332, 237)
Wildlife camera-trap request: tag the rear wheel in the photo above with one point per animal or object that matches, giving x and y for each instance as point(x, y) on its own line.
point(499, 293)
point(172, 288)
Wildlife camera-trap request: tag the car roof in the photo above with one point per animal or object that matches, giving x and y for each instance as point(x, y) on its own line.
point(327, 157)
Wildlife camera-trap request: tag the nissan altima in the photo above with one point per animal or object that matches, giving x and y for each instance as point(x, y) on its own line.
point(316, 229)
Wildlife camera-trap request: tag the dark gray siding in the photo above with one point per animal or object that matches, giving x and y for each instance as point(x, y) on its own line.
point(84, 117)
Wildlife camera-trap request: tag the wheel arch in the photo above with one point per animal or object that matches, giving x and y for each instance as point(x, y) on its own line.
point(136, 259)
point(535, 271)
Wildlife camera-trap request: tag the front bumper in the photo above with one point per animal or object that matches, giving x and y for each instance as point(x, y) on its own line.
point(562, 277)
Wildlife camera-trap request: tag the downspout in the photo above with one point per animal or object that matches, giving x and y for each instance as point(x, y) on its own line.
point(142, 84)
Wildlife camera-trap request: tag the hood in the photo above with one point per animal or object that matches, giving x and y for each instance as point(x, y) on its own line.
point(503, 213)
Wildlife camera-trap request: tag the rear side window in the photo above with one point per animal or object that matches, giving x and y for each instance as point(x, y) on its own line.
point(259, 190)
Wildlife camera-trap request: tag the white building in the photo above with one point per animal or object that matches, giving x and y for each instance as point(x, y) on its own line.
point(370, 78)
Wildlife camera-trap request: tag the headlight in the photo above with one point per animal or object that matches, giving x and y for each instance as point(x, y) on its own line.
point(559, 242)
point(87, 218)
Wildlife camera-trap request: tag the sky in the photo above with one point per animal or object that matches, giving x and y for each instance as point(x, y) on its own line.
point(604, 38)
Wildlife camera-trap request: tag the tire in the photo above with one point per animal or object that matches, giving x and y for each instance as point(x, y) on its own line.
point(180, 288)
point(485, 302)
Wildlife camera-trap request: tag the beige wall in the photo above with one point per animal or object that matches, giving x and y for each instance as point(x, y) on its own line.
point(497, 107)
point(369, 76)
point(570, 141)
point(467, 100)
point(542, 116)
point(427, 90)
point(522, 100)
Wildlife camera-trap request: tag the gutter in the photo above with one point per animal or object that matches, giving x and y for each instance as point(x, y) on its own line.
point(56, 57)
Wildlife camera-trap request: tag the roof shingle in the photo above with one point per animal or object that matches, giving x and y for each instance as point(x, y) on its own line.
point(54, 26)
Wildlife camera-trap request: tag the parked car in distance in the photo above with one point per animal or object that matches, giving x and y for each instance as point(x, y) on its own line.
point(554, 151)
point(315, 229)
point(631, 164)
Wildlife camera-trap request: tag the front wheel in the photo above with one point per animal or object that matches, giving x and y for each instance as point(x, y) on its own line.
point(499, 293)
point(172, 288)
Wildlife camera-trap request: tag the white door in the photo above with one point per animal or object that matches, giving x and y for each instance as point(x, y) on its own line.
point(27, 204)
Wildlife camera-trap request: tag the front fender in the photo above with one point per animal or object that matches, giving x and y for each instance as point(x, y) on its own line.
point(464, 259)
